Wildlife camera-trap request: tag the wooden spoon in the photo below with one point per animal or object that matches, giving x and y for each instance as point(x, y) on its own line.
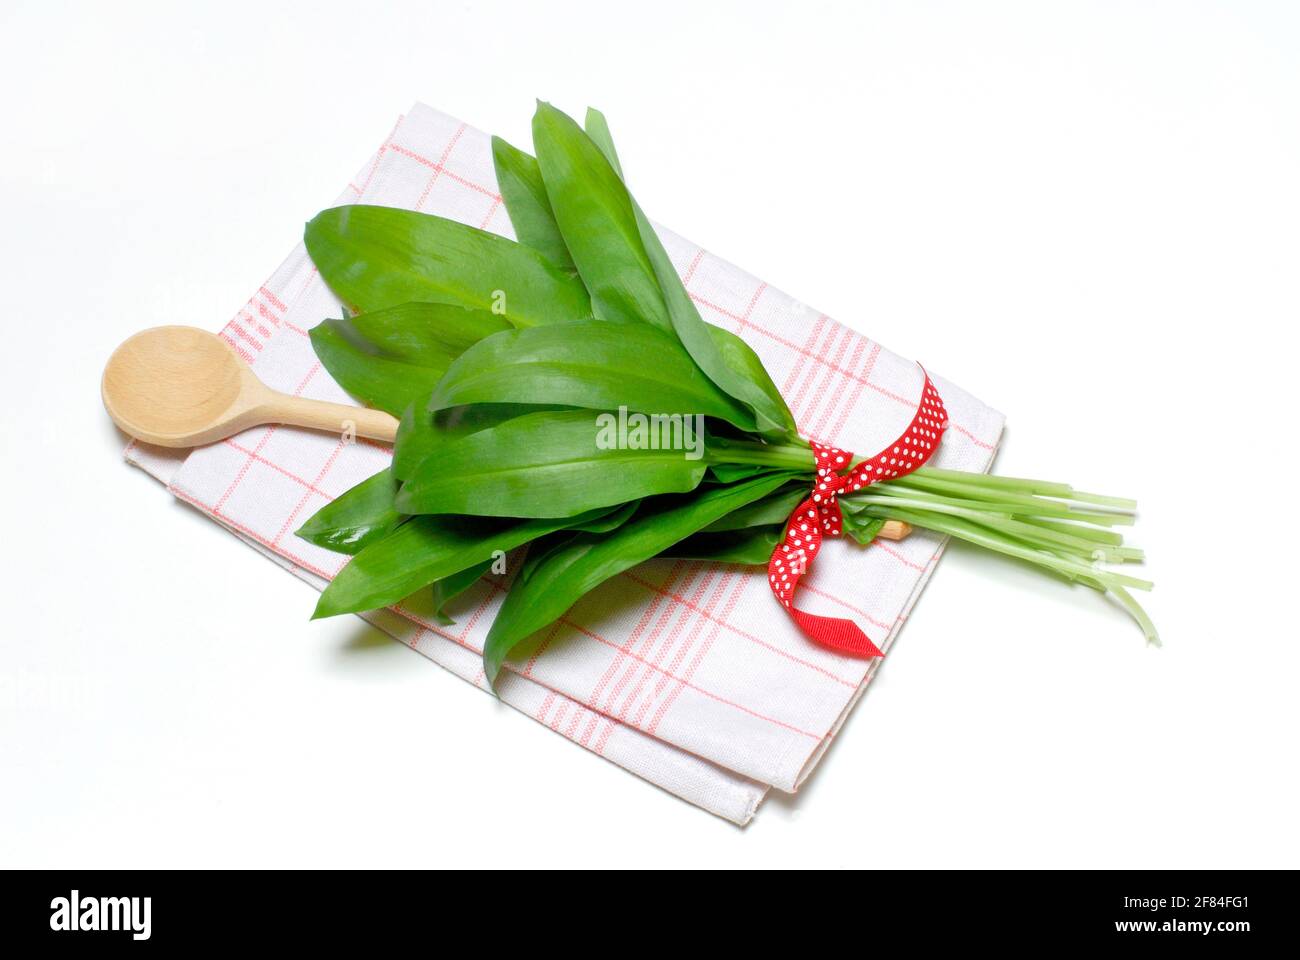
point(184, 387)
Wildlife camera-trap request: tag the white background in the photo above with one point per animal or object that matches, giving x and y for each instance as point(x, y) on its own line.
point(1087, 215)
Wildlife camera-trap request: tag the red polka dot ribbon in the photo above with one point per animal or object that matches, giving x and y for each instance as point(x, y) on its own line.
point(819, 516)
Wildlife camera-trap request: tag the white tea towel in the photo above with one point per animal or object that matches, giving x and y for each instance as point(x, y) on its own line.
point(686, 673)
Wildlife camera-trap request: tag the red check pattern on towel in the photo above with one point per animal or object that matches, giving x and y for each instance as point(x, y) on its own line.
point(676, 670)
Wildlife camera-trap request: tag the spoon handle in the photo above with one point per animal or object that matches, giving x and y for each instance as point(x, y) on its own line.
point(334, 417)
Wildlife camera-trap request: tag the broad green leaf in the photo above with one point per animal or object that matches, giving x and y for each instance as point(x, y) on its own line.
point(541, 594)
point(358, 518)
point(548, 464)
point(420, 433)
point(543, 547)
point(524, 194)
point(376, 257)
point(449, 588)
point(595, 217)
point(591, 364)
point(775, 508)
point(376, 380)
point(752, 547)
point(611, 520)
point(724, 357)
point(426, 334)
point(765, 399)
point(420, 551)
point(416, 439)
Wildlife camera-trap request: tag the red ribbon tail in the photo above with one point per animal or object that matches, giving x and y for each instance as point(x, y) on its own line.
point(819, 516)
point(833, 633)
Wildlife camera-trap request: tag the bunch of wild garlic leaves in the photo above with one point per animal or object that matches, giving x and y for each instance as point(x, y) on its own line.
point(563, 392)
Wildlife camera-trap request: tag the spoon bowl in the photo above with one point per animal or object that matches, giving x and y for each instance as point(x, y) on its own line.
point(170, 384)
point(182, 387)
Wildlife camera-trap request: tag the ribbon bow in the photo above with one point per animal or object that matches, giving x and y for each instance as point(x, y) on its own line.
point(819, 516)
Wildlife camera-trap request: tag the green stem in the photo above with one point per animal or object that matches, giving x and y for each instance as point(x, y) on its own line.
point(1135, 610)
point(784, 457)
point(1082, 531)
point(1078, 546)
point(798, 457)
point(1024, 506)
point(973, 489)
point(1050, 525)
point(973, 534)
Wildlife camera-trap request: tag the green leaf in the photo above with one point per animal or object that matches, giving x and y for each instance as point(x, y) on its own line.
point(421, 433)
point(775, 421)
point(426, 334)
point(613, 519)
point(731, 472)
point(420, 551)
point(548, 464)
point(591, 364)
point(752, 547)
point(524, 194)
point(595, 217)
point(724, 357)
point(387, 358)
point(597, 128)
point(358, 518)
point(376, 257)
point(864, 529)
point(543, 592)
point(416, 439)
point(376, 380)
point(449, 588)
point(858, 525)
point(775, 508)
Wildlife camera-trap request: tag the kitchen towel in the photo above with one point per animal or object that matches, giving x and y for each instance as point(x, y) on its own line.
point(683, 672)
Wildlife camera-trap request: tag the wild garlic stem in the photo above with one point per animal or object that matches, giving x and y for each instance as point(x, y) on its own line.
point(726, 450)
point(1058, 529)
point(973, 534)
point(1002, 521)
